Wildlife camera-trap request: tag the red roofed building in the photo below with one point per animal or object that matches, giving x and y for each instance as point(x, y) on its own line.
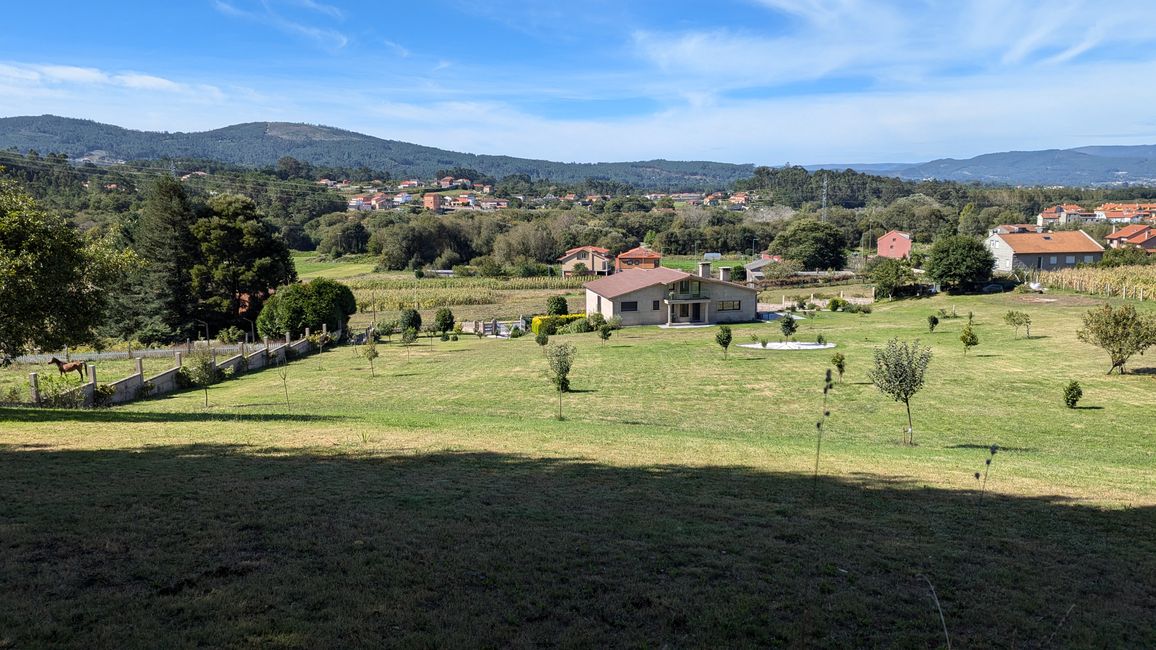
point(1134, 236)
point(595, 259)
point(638, 258)
point(1066, 213)
point(1043, 250)
point(668, 296)
point(895, 244)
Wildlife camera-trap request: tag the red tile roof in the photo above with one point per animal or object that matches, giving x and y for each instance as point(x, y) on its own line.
point(1066, 241)
point(1128, 231)
point(592, 249)
point(640, 253)
point(625, 282)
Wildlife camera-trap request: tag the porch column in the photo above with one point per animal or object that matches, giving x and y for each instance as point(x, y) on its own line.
point(669, 314)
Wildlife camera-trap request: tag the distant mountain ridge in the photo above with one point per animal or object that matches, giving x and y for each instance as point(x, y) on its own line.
point(262, 143)
point(1082, 166)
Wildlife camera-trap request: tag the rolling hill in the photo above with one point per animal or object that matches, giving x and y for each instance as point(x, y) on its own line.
point(262, 143)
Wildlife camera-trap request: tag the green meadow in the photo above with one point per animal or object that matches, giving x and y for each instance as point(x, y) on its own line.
point(442, 503)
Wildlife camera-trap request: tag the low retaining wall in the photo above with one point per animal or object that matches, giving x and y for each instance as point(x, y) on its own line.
point(136, 386)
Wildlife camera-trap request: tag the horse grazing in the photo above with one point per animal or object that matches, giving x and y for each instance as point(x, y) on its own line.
point(66, 367)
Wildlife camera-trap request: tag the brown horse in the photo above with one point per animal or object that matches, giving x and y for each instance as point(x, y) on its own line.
point(66, 367)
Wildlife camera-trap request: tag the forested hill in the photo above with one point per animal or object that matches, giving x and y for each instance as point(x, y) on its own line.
point(262, 143)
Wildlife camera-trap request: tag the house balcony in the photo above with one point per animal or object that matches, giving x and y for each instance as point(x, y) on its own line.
point(674, 297)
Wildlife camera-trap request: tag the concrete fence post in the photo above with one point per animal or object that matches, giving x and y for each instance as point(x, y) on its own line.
point(266, 343)
point(307, 332)
point(92, 373)
point(140, 367)
point(34, 386)
point(325, 328)
point(288, 338)
point(178, 356)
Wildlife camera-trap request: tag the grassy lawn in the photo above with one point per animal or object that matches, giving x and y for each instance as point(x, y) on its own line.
point(440, 504)
point(310, 265)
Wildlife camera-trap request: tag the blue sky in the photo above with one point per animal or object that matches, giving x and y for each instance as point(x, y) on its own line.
point(762, 81)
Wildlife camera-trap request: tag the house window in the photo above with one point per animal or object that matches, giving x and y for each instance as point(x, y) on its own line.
point(654, 305)
point(730, 305)
point(630, 306)
point(581, 255)
point(1071, 259)
point(1088, 259)
point(1054, 259)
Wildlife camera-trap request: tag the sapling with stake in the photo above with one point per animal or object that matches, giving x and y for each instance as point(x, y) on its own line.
point(987, 468)
point(828, 384)
point(283, 373)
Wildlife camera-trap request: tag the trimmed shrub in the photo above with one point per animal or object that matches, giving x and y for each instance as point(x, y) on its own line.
point(556, 306)
point(552, 323)
point(1072, 394)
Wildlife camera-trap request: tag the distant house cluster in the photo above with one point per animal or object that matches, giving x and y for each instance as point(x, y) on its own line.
point(431, 194)
point(1120, 213)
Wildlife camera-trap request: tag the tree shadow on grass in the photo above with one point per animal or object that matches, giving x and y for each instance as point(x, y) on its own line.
point(118, 415)
point(1087, 408)
point(223, 545)
point(986, 447)
point(1142, 371)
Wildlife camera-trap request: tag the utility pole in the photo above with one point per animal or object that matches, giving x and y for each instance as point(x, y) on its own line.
point(824, 197)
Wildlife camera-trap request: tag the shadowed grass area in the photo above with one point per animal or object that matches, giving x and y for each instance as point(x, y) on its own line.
point(224, 545)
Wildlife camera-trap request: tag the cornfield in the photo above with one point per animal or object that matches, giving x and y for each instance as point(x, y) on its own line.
point(495, 284)
point(1138, 282)
point(425, 298)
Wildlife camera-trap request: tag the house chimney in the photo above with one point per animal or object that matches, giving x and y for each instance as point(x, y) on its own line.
point(704, 269)
point(724, 273)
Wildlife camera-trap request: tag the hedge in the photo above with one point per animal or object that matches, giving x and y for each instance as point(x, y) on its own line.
point(557, 321)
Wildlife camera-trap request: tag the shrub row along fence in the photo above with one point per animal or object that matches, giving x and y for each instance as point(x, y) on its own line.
point(1136, 282)
point(244, 358)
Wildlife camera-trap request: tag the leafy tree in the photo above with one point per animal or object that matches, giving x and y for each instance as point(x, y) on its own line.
point(1127, 256)
point(1120, 331)
point(241, 260)
point(443, 320)
point(319, 302)
point(788, 325)
point(932, 323)
point(556, 306)
point(969, 338)
point(560, 358)
point(815, 244)
point(840, 363)
point(388, 328)
point(1018, 319)
point(168, 249)
point(542, 338)
point(409, 319)
point(580, 269)
point(959, 262)
point(898, 373)
point(889, 275)
point(51, 285)
point(723, 337)
point(200, 369)
point(604, 332)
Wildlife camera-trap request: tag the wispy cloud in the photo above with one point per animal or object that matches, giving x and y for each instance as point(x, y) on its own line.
point(397, 48)
point(327, 39)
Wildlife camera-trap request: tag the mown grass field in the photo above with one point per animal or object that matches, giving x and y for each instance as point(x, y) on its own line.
point(441, 504)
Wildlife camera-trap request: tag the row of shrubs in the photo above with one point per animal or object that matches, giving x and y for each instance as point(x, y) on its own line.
point(572, 323)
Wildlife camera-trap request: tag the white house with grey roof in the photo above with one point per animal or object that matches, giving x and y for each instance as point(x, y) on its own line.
point(667, 296)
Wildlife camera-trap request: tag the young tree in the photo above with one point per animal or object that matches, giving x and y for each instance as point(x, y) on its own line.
point(604, 332)
point(408, 337)
point(560, 359)
point(1120, 331)
point(201, 370)
point(723, 338)
point(388, 328)
point(443, 320)
point(1018, 319)
point(969, 338)
point(932, 323)
point(1072, 394)
point(898, 373)
point(556, 306)
point(788, 325)
point(369, 351)
point(542, 338)
point(959, 262)
point(840, 363)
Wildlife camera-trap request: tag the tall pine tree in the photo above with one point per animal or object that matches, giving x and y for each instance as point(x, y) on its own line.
point(165, 242)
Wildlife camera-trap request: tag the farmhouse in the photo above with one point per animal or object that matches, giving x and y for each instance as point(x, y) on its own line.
point(1043, 250)
point(895, 244)
point(637, 258)
point(667, 296)
point(594, 258)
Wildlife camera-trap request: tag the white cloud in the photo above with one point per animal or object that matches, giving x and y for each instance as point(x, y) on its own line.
point(328, 39)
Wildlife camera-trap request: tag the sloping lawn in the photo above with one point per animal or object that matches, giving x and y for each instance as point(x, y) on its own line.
point(441, 504)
